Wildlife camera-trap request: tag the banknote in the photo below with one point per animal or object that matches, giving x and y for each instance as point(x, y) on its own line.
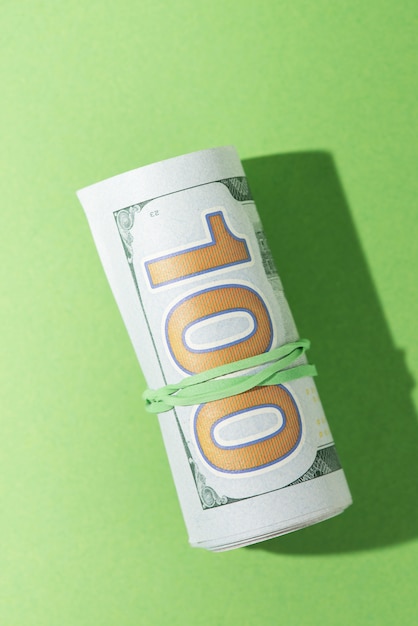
point(189, 264)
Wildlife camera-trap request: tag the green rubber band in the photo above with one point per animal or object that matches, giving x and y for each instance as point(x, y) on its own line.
point(212, 384)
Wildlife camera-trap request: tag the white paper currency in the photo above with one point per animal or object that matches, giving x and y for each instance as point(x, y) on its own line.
point(187, 260)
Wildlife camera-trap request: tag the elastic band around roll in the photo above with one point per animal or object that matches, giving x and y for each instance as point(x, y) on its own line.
point(212, 385)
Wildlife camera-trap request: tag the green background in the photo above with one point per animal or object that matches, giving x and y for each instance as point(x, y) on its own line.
point(320, 100)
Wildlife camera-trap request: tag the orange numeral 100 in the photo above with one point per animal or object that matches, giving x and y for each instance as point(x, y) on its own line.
point(225, 249)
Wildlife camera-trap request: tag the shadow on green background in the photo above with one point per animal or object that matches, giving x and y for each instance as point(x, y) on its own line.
point(363, 381)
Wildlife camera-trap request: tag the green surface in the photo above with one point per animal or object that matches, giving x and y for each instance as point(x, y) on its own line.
point(320, 100)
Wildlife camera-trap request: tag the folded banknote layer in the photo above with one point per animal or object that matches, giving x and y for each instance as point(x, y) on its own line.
point(185, 254)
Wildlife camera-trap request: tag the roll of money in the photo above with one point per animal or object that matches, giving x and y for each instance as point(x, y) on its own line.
point(186, 257)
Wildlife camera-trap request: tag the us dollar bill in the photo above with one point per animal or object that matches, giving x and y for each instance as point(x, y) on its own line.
point(185, 254)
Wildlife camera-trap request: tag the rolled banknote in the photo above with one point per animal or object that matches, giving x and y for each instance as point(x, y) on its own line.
point(248, 443)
